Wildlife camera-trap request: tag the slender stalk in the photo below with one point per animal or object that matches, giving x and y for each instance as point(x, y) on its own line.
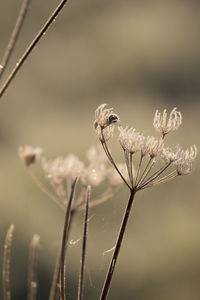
point(83, 254)
point(6, 264)
point(65, 240)
point(55, 281)
point(114, 258)
point(154, 176)
point(32, 46)
point(146, 171)
point(126, 157)
point(14, 36)
point(139, 167)
point(164, 179)
point(32, 278)
point(131, 168)
point(103, 142)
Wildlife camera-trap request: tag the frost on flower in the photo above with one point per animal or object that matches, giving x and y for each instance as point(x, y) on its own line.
point(152, 146)
point(29, 154)
point(185, 163)
point(130, 140)
point(163, 124)
point(105, 118)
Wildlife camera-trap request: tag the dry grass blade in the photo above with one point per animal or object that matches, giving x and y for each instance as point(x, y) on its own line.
point(31, 46)
point(6, 263)
point(32, 278)
point(14, 35)
point(83, 254)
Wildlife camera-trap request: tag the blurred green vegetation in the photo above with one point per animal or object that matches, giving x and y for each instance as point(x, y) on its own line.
point(137, 56)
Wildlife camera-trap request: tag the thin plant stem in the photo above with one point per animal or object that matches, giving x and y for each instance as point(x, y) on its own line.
point(55, 281)
point(14, 36)
point(146, 171)
point(65, 240)
point(154, 176)
point(114, 258)
point(32, 45)
point(32, 278)
point(164, 179)
point(139, 167)
point(131, 168)
point(6, 263)
point(45, 190)
point(83, 254)
point(103, 142)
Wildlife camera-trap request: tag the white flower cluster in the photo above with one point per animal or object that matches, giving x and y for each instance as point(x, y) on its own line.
point(105, 120)
point(164, 125)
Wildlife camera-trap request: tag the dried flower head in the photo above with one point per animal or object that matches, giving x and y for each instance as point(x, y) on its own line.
point(29, 155)
point(165, 125)
point(104, 117)
point(152, 146)
point(59, 169)
point(130, 140)
point(185, 163)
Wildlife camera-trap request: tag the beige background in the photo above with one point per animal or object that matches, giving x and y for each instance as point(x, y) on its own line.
point(137, 56)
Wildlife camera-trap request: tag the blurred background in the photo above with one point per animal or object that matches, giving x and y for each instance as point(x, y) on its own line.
point(137, 56)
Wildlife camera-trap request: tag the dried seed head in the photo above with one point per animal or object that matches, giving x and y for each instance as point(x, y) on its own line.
point(59, 169)
point(165, 125)
point(152, 146)
point(185, 163)
point(104, 117)
point(130, 140)
point(29, 155)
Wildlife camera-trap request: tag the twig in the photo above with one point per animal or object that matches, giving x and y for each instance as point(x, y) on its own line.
point(32, 278)
point(6, 263)
point(83, 254)
point(14, 36)
point(31, 46)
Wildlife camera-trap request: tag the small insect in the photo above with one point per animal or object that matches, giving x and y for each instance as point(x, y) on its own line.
point(113, 119)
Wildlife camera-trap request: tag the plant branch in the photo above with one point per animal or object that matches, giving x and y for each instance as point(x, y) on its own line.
point(65, 240)
point(14, 36)
point(83, 255)
point(32, 46)
point(114, 258)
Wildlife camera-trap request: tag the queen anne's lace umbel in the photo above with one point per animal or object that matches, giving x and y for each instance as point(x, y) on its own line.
point(133, 142)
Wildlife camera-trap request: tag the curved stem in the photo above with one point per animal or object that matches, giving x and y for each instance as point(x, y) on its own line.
point(114, 258)
point(103, 142)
